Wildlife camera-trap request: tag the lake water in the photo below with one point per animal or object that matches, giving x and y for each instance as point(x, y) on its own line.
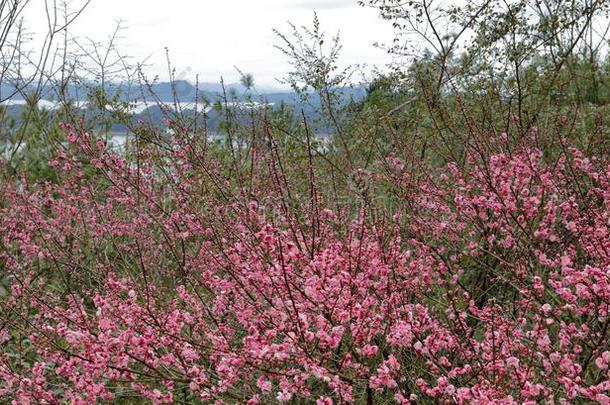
point(141, 106)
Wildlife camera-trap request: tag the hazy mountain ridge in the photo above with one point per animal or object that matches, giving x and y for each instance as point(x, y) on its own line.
point(147, 101)
point(179, 90)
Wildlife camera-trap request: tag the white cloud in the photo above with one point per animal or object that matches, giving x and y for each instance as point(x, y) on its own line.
point(210, 37)
point(322, 4)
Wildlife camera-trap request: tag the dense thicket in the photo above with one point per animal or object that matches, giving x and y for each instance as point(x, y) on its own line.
point(446, 242)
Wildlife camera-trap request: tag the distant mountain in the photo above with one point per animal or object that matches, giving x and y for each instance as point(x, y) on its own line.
point(184, 92)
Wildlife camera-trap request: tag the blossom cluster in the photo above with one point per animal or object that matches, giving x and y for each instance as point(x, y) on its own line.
point(149, 278)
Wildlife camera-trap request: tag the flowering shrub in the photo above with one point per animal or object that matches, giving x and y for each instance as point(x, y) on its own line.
point(150, 278)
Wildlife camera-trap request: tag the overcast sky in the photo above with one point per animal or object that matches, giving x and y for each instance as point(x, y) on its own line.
point(210, 37)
